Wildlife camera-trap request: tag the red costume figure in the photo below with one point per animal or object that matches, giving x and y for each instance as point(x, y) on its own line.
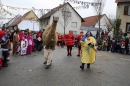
point(62, 41)
point(39, 34)
point(59, 39)
point(2, 33)
point(105, 33)
point(69, 39)
point(78, 41)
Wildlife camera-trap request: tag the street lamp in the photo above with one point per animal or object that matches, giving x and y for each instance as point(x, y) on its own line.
point(66, 14)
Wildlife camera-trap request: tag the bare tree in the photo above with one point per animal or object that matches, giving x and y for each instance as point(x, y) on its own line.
point(109, 22)
point(98, 9)
point(3, 12)
point(44, 23)
point(66, 17)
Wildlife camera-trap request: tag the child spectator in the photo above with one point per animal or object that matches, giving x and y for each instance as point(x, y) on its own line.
point(123, 46)
point(23, 47)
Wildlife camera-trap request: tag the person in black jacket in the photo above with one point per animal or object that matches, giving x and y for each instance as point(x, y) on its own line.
point(126, 44)
point(4, 53)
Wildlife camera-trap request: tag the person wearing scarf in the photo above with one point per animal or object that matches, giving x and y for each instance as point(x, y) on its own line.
point(88, 48)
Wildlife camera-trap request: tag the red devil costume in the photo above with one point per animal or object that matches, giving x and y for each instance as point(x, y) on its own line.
point(69, 39)
point(78, 41)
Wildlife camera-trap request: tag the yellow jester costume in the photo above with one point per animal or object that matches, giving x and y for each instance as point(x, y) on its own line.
point(88, 51)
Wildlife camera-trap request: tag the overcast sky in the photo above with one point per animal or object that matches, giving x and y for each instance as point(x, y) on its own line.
point(110, 6)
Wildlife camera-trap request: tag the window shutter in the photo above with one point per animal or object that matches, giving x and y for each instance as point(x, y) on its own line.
point(126, 10)
point(129, 10)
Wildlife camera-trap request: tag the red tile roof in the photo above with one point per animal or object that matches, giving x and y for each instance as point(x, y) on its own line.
point(91, 21)
point(122, 0)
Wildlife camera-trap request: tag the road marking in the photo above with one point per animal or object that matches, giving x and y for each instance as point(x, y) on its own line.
point(125, 59)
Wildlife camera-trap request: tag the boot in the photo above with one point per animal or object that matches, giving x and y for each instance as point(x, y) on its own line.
point(68, 53)
point(88, 65)
point(78, 53)
point(45, 62)
point(82, 66)
point(4, 65)
point(47, 67)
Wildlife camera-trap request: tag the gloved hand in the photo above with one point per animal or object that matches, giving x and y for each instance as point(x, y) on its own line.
point(92, 44)
point(89, 44)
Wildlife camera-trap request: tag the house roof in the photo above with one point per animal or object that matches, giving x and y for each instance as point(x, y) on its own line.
point(19, 19)
point(16, 21)
point(122, 1)
point(53, 11)
point(91, 21)
point(28, 13)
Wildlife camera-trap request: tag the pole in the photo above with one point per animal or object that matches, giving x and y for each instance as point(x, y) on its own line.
point(99, 19)
point(33, 26)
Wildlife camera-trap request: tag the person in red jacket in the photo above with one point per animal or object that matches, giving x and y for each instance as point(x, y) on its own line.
point(59, 40)
point(2, 33)
point(69, 38)
point(105, 33)
point(78, 41)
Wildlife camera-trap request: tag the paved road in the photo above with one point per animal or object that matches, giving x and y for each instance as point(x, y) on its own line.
point(110, 69)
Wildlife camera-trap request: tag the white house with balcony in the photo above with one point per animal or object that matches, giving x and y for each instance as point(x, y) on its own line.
point(69, 19)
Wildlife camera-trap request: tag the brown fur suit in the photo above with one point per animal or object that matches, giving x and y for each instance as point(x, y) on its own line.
point(15, 43)
point(49, 38)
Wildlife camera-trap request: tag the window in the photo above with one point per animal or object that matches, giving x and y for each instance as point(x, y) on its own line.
point(127, 10)
point(128, 27)
point(74, 24)
point(74, 32)
point(66, 13)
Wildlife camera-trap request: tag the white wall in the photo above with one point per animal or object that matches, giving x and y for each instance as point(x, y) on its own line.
point(31, 25)
point(14, 19)
point(103, 22)
point(74, 18)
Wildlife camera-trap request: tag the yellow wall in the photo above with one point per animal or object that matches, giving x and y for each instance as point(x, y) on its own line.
point(31, 15)
point(125, 18)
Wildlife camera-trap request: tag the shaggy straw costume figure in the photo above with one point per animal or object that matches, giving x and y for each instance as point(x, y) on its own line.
point(49, 41)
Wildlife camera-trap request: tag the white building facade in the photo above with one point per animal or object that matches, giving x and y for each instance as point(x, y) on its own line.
point(68, 17)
